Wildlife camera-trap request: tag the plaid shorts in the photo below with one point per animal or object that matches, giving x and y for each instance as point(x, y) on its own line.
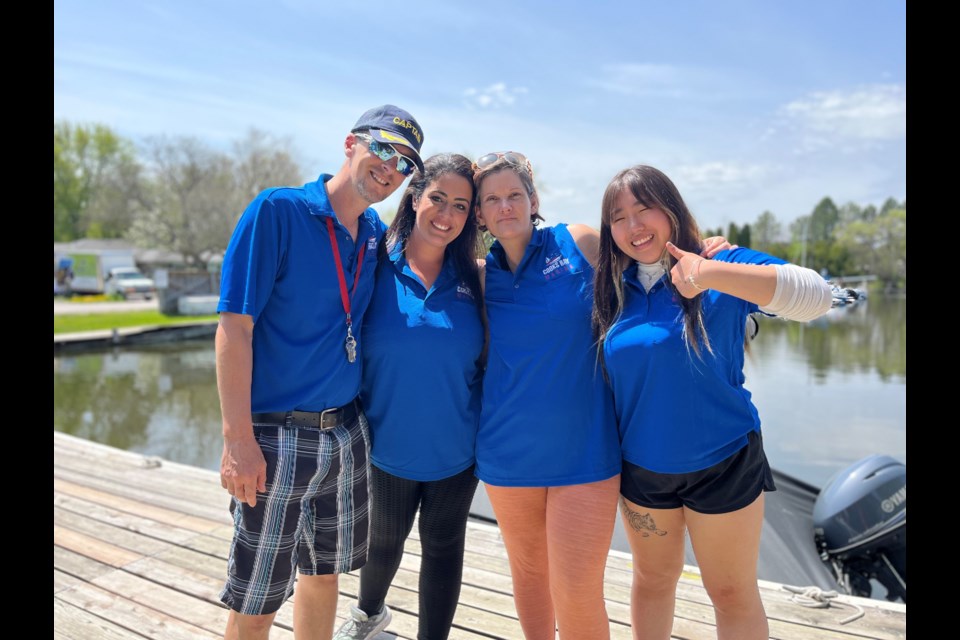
point(313, 518)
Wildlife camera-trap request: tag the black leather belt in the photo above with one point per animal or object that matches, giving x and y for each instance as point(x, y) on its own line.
point(322, 420)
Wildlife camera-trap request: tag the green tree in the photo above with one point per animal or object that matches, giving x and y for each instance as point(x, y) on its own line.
point(262, 161)
point(192, 201)
point(197, 194)
point(889, 205)
point(799, 241)
point(766, 230)
point(891, 255)
point(850, 212)
point(823, 221)
point(879, 247)
point(95, 176)
point(744, 237)
point(733, 233)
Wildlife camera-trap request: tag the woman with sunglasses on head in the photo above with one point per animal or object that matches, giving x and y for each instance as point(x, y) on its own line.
point(548, 450)
point(671, 329)
point(423, 341)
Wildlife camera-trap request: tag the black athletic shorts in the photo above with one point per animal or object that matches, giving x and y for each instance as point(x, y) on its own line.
point(727, 486)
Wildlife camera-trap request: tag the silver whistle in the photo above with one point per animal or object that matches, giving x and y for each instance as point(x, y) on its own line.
point(350, 345)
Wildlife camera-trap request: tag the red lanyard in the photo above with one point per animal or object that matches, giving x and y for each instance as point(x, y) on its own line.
point(350, 344)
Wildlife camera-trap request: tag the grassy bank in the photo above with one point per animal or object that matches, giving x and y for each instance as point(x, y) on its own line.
point(107, 321)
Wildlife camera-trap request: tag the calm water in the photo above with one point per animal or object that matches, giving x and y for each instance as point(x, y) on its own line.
point(829, 393)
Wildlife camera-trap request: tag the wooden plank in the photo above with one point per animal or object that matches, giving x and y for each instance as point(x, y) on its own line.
point(215, 542)
point(200, 586)
point(104, 508)
point(109, 494)
point(158, 480)
point(63, 581)
point(211, 566)
point(694, 612)
point(149, 622)
point(77, 454)
point(77, 565)
point(156, 536)
point(791, 620)
point(129, 540)
point(186, 608)
point(405, 605)
point(137, 534)
point(74, 623)
point(92, 547)
point(151, 499)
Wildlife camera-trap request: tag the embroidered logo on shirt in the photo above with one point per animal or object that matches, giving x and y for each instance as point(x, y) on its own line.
point(464, 292)
point(556, 266)
point(372, 243)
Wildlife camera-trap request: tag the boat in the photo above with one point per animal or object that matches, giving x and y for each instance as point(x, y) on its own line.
point(860, 527)
point(843, 296)
point(848, 537)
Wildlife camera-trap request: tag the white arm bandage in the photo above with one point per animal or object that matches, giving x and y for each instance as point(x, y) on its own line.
point(801, 294)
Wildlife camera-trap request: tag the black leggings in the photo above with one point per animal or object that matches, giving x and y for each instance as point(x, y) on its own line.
point(444, 508)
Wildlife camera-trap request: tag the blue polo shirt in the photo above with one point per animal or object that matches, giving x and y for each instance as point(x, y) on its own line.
point(279, 269)
point(547, 415)
point(676, 412)
point(421, 381)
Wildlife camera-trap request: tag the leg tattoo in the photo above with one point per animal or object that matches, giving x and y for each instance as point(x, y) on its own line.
point(642, 522)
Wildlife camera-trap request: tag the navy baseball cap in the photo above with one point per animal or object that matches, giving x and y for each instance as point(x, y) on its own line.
point(392, 125)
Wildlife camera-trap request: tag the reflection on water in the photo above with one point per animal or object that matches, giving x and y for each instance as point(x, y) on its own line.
point(829, 393)
point(159, 400)
point(832, 391)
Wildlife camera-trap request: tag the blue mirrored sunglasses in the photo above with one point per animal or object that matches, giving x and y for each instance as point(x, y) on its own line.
point(385, 152)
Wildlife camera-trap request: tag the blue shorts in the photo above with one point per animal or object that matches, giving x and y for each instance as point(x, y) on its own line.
point(727, 486)
point(313, 518)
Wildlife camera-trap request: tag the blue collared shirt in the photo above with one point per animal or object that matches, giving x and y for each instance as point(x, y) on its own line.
point(547, 414)
point(279, 268)
point(676, 412)
point(421, 377)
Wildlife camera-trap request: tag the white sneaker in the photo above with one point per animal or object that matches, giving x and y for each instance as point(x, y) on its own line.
point(361, 626)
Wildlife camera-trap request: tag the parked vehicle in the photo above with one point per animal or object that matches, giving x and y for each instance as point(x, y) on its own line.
point(128, 282)
point(109, 271)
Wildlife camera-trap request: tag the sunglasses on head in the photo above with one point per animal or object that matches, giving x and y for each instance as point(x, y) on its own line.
point(385, 152)
point(510, 157)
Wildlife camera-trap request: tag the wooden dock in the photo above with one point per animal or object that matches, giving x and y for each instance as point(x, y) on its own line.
point(140, 551)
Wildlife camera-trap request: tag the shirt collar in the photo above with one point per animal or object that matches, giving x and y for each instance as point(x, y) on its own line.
point(538, 239)
point(630, 279)
point(318, 200)
point(398, 257)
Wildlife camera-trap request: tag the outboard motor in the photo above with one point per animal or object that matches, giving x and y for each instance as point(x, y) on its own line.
point(860, 526)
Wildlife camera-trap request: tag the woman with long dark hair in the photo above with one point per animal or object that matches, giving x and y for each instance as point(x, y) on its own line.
point(671, 331)
point(423, 344)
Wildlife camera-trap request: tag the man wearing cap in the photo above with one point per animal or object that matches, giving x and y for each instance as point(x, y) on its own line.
point(297, 277)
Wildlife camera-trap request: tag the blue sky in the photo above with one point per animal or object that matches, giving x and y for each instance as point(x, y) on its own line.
point(749, 105)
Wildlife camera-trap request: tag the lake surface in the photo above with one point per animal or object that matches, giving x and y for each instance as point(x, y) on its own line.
point(829, 393)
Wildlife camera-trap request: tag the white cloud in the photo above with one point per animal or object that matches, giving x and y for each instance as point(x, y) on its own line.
point(495, 96)
point(661, 81)
point(638, 79)
point(718, 174)
point(867, 114)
